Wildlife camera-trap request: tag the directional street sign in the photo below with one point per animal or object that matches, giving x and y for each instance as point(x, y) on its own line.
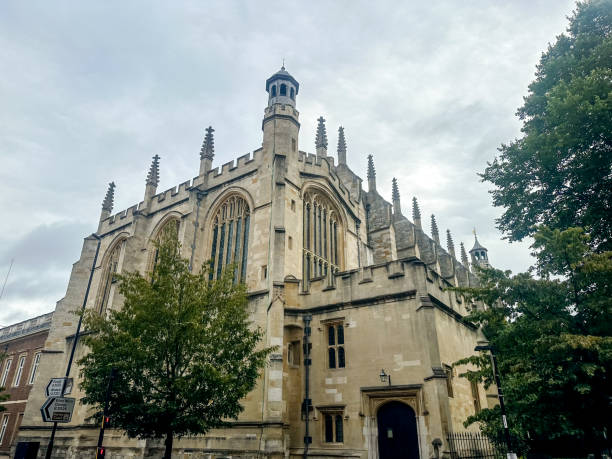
point(57, 409)
point(54, 388)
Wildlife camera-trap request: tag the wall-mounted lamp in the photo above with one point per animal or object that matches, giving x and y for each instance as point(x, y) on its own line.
point(384, 377)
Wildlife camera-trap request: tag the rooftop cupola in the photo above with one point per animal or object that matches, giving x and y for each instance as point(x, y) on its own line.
point(282, 88)
point(479, 253)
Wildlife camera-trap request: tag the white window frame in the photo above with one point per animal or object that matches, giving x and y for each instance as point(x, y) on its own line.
point(34, 368)
point(3, 427)
point(19, 370)
point(5, 373)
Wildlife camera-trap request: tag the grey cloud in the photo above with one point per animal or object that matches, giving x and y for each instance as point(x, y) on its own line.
point(90, 91)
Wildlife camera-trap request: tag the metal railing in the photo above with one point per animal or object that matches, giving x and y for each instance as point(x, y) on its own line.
point(473, 445)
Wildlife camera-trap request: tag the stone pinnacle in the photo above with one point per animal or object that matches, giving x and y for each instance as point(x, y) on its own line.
point(434, 230)
point(153, 176)
point(107, 204)
point(341, 146)
point(208, 147)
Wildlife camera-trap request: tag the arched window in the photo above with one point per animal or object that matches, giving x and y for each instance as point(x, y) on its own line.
point(292, 93)
point(322, 235)
point(283, 89)
point(230, 238)
point(111, 267)
point(274, 91)
point(170, 225)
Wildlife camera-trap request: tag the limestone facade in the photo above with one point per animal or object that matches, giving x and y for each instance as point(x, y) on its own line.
point(326, 263)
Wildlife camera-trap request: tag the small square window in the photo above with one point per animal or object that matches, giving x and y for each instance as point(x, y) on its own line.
point(333, 425)
point(336, 357)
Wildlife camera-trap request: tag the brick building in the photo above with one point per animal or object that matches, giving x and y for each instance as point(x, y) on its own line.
point(21, 345)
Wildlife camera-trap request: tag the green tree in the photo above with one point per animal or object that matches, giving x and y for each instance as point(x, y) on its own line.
point(552, 335)
point(559, 173)
point(184, 347)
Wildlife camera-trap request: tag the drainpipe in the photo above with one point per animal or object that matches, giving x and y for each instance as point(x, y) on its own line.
point(307, 403)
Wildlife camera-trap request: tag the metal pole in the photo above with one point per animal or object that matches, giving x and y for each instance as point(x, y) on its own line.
point(306, 405)
point(109, 388)
point(74, 342)
point(500, 395)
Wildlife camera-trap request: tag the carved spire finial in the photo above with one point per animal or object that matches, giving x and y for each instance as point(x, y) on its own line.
point(341, 146)
point(464, 257)
point(434, 230)
point(416, 213)
point(450, 245)
point(153, 176)
point(397, 208)
point(107, 204)
point(394, 190)
point(208, 147)
point(321, 139)
point(371, 174)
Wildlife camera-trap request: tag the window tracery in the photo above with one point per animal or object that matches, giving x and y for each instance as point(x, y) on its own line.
point(172, 224)
point(230, 238)
point(322, 236)
point(111, 268)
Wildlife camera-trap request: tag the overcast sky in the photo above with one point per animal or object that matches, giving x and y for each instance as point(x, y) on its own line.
point(90, 91)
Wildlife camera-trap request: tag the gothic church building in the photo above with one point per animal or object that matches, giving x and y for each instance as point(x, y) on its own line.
point(350, 290)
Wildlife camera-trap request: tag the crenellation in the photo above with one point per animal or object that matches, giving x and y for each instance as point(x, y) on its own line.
point(228, 167)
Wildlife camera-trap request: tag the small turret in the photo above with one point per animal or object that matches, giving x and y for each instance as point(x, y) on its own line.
point(397, 208)
point(341, 146)
point(435, 234)
point(371, 174)
point(479, 253)
point(321, 139)
point(282, 88)
point(207, 152)
point(450, 245)
point(416, 213)
point(107, 204)
point(152, 180)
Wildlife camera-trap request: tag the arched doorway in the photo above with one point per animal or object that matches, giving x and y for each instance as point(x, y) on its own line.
point(397, 432)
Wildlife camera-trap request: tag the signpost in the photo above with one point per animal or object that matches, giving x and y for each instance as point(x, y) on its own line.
point(57, 409)
point(58, 387)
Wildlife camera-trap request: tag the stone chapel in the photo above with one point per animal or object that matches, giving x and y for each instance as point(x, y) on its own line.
point(351, 291)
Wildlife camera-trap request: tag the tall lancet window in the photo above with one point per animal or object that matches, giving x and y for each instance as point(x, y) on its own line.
point(230, 238)
point(169, 228)
point(322, 235)
point(110, 268)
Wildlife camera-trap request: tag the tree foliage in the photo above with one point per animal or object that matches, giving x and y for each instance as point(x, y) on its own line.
point(559, 173)
point(552, 335)
point(183, 345)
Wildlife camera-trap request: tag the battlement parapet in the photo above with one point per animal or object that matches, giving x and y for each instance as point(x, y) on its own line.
point(369, 285)
point(362, 284)
point(231, 170)
point(317, 165)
